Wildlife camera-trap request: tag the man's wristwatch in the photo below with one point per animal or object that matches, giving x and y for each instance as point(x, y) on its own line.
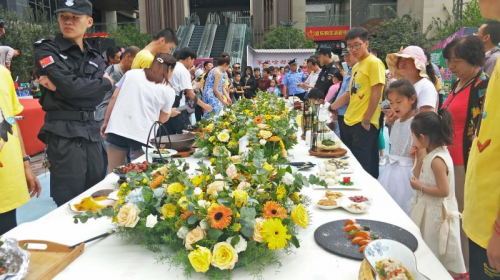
point(27, 158)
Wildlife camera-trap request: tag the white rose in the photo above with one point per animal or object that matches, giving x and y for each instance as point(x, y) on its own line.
point(202, 203)
point(128, 215)
point(194, 236)
point(197, 191)
point(219, 177)
point(288, 179)
point(243, 185)
point(183, 231)
point(151, 220)
point(240, 246)
point(262, 142)
point(205, 224)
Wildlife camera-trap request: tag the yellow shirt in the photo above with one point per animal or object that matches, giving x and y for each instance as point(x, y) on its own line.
point(365, 74)
point(13, 186)
point(143, 60)
point(482, 190)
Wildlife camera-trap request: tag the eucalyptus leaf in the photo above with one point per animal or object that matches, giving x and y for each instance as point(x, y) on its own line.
point(214, 233)
point(192, 219)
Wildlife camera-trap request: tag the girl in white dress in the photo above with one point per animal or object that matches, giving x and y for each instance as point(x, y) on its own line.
point(396, 175)
point(434, 206)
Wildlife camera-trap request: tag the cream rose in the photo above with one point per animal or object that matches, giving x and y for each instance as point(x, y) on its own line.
point(216, 186)
point(128, 215)
point(263, 126)
point(265, 134)
point(151, 220)
point(194, 236)
point(257, 230)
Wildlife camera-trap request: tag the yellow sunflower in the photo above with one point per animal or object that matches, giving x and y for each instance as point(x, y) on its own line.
point(220, 217)
point(273, 209)
point(275, 234)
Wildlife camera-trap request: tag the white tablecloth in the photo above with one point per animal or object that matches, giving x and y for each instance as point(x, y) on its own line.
point(112, 258)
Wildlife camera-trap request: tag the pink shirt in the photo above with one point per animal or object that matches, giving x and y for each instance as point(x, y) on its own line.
point(332, 91)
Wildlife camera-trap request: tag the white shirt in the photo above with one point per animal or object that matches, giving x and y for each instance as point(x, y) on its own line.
point(426, 94)
point(181, 80)
point(6, 54)
point(138, 106)
point(311, 80)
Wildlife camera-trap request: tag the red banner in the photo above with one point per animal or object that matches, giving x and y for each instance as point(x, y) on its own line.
point(327, 33)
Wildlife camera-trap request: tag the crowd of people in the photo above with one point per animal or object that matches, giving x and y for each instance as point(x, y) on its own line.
point(441, 165)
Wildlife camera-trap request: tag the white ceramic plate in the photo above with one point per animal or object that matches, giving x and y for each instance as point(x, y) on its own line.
point(151, 153)
point(390, 249)
point(370, 199)
point(72, 203)
point(347, 203)
point(338, 186)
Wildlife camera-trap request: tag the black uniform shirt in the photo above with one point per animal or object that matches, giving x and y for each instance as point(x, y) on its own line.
point(325, 77)
point(78, 76)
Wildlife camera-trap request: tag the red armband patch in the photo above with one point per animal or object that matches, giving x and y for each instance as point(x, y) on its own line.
point(46, 61)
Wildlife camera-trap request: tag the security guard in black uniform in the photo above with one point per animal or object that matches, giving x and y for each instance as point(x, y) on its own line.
point(328, 69)
point(73, 83)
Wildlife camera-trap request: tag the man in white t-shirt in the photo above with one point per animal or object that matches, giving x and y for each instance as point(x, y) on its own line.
point(181, 82)
point(313, 70)
point(6, 55)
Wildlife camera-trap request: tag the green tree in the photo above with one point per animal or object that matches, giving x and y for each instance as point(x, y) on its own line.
point(22, 32)
point(391, 35)
point(129, 35)
point(443, 28)
point(277, 38)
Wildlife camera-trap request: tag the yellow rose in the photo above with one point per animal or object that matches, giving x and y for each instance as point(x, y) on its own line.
point(197, 180)
point(223, 136)
point(240, 197)
point(210, 128)
point(295, 197)
point(267, 166)
point(168, 210)
point(128, 216)
point(200, 259)
point(300, 216)
point(224, 256)
point(268, 117)
point(257, 235)
point(265, 134)
point(263, 126)
point(217, 186)
point(211, 139)
point(175, 188)
point(212, 160)
point(194, 236)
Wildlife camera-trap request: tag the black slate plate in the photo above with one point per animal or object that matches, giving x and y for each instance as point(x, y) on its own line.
point(332, 238)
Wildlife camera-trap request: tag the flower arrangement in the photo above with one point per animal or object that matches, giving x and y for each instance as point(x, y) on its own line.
point(265, 120)
point(237, 212)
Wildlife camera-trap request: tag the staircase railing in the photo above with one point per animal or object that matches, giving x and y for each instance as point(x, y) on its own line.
point(235, 40)
point(185, 32)
point(207, 39)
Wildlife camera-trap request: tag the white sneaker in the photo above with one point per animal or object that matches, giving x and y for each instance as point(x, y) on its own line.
point(382, 161)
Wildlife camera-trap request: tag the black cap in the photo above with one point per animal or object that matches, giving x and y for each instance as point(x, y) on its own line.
point(79, 7)
point(325, 50)
point(292, 62)
point(1, 24)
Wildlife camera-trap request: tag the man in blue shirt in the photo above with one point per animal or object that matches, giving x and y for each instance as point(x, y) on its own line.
point(291, 81)
point(340, 126)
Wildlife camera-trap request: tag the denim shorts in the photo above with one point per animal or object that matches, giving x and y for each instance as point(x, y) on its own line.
point(121, 143)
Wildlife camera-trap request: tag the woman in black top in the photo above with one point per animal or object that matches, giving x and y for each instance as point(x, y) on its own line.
point(248, 83)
